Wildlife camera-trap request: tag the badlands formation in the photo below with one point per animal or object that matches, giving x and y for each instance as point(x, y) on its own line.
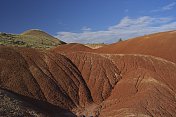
point(136, 77)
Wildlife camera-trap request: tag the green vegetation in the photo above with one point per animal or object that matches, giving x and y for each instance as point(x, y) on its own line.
point(120, 40)
point(31, 38)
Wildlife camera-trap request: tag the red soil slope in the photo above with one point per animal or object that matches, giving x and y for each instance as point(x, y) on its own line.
point(159, 44)
point(147, 88)
point(99, 73)
point(72, 47)
point(96, 84)
point(43, 76)
point(128, 85)
point(15, 105)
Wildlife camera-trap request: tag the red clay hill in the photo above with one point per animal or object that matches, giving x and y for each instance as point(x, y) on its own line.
point(159, 45)
point(116, 80)
point(71, 47)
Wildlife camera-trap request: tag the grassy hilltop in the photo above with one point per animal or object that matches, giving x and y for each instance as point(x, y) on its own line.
point(30, 38)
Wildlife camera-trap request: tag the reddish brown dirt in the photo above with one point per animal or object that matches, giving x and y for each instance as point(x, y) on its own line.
point(147, 88)
point(15, 105)
point(72, 47)
point(44, 76)
point(135, 85)
point(159, 44)
point(99, 73)
point(96, 84)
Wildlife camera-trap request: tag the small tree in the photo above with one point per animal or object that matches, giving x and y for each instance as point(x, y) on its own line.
point(120, 40)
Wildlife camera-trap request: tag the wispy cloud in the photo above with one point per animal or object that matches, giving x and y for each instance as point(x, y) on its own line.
point(166, 7)
point(126, 28)
point(169, 6)
point(86, 29)
point(126, 10)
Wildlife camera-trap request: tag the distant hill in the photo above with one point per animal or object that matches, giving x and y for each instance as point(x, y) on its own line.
point(96, 45)
point(71, 47)
point(31, 38)
point(159, 44)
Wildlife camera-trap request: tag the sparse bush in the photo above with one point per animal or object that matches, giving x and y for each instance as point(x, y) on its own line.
point(19, 42)
point(120, 40)
point(3, 34)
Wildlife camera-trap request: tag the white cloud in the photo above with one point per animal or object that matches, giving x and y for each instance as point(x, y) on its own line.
point(169, 6)
point(165, 8)
point(86, 29)
point(126, 28)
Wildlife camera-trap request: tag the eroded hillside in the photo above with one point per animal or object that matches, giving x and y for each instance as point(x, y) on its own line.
point(135, 85)
point(74, 80)
point(159, 44)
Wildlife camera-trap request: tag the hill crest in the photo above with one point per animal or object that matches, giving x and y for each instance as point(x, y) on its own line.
point(31, 38)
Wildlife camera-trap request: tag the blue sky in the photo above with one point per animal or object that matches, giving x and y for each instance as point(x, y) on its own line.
point(89, 21)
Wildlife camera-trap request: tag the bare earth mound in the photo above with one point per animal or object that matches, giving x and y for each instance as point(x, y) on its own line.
point(72, 79)
point(147, 88)
point(72, 47)
point(159, 44)
point(136, 85)
point(43, 76)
